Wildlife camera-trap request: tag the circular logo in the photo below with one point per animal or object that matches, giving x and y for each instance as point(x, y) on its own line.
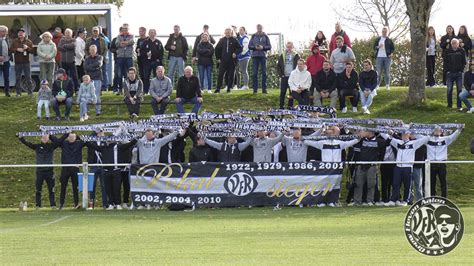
point(240, 184)
point(434, 226)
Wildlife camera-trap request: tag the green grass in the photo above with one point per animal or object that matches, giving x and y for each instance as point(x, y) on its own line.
point(257, 236)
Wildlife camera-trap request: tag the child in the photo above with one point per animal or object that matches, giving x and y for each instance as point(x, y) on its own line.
point(85, 96)
point(44, 97)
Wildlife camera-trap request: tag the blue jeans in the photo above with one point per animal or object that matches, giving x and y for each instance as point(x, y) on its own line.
point(417, 183)
point(5, 71)
point(122, 65)
point(175, 64)
point(56, 104)
point(180, 105)
point(450, 79)
point(259, 61)
point(105, 76)
point(464, 95)
point(205, 76)
point(98, 89)
point(401, 174)
point(366, 101)
point(99, 174)
point(163, 103)
point(383, 63)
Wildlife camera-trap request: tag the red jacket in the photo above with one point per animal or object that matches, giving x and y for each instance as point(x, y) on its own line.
point(333, 45)
point(56, 38)
point(314, 63)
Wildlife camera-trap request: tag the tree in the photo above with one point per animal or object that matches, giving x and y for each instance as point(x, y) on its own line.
point(372, 15)
point(419, 14)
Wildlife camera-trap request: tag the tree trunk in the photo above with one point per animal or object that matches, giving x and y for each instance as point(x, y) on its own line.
point(419, 13)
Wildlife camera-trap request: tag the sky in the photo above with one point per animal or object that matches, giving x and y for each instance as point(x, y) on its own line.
point(298, 20)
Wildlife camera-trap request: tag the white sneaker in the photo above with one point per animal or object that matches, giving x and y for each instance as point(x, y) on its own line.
point(344, 110)
point(366, 111)
point(119, 207)
point(125, 206)
point(140, 207)
point(352, 204)
point(388, 87)
point(354, 109)
point(209, 91)
point(389, 204)
point(320, 205)
point(86, 117)
point(332, 204)
point(365, 204)
point(379, 203)
point(81, 119)
point(470, 111)
point(148, 207)
point(401, 203)
point(370, 204)
point(244, 88)
point(110, 208)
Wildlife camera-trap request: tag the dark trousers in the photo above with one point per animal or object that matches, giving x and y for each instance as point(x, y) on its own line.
point(163, 103)
point(344, 93)
point(401, 175)
point(23, 68)
point(112, 182)
point(439, 170)
point(313, 85)
point(445, 71)
point(99, 175)
point(386, 171)
point(66, 173)
point(149, 70)
point(452, 78)
point(105, 76)
point(47, 176)
point(227, 69)
point(72, 73)
point(302, 98)
point(126, 186)
point(132, 108)
point(430, 70)
point(283, 88)
point(56, 104)
point(80, 71)
point(141, 70)
point(5, 71)
point(259, 62)
point(122, 65)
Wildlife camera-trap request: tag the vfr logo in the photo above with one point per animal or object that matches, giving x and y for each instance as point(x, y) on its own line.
point(240, 184)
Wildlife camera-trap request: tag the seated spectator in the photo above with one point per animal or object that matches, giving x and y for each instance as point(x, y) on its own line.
point(287, 61)
point(325, 84)
point(468, 91)
point(44, 97)
point(314, 64)
point(300, 82)
point(347, 85)
point(341, 55)
point(205, 53)
point(93, 68)
point(63, 89)
point(46, 53)
point(368, 85)
point(86, 96)
point(133, 92)
point(188, 90)
point(160, 91)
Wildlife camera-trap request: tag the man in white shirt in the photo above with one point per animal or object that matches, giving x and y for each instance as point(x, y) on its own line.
point(80, 51)
point(299, 82)
point(383, 48)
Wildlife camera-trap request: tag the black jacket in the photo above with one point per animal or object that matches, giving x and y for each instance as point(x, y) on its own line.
point(468, 80)
point(281, 63)
point(184, 45)
point(445, 42)
point(467, 42)
point(226, 47)
point(44, 153)
point(204, 52)
point(368, 150)
point(108, 151)
point(388, 44)
point(198, 41)
point(200, 153)
point(66, 85)
point(455, 60)
point(156, 48)
point(345, 83)
point(325, 81)
point(188, 88)
point(173, 151)
point(71, 152)
point(141, 56)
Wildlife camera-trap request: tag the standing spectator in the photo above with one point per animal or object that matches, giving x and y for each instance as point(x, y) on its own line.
point(63, 90)
point(263, 145)
point(205, 53)
point(105, 75)
point(44, 98)
point(347, 85)
point(445, 44)
point(325, 85)
point(205, 30)
point(153, 50)
point(149, 146)
point(133, 92)
point(341, 55)
point(21, 47)
point(93, 67)
point(160, 91)
point(141, 55)
point(188, 90)
point(80, 51)
point(384, 48)
point(95, 157)
point(464, 40)
point(113, 50)
point(259, 45)
point(321, 41)
point(368, 85)
point(287, 62)
point(98, 40)
point(243, 59)
point(124, 44)
point(455, 58)
point(386, 172)
point(338, 33)
point(67, 47)
point(226, 52)
point(230, 150)
point(44, 155)
point(468, 91)
point(296, 148)
point(5, 58)
point(431, 47)
point(177, 47)
point(200, 152)
point(46, 53)
point(85, 96)
point(57, 36)
point(314, 64)
point(300, 82)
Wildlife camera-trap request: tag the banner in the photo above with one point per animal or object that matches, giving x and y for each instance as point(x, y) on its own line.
point(236, 184)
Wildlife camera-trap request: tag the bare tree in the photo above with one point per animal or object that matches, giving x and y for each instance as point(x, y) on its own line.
point(372, 15)
point(419, 14)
